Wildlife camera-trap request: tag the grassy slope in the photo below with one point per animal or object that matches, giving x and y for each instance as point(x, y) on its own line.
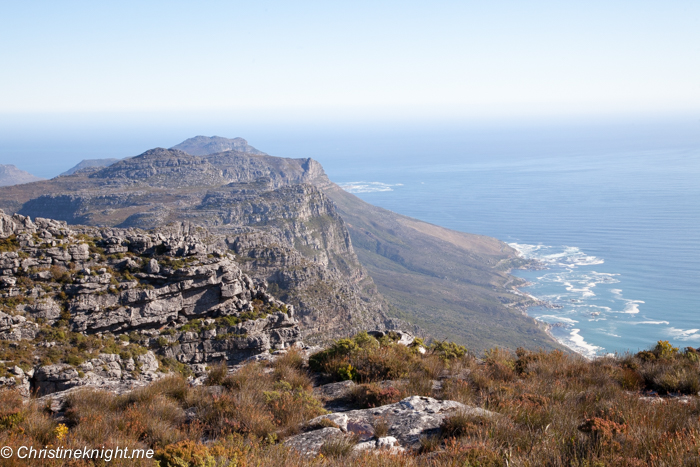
point(452, 284)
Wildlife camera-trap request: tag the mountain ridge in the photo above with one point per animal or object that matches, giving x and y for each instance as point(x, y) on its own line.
point(326, 250)
point(202, 145)
point(282, 229)
point(88, 164)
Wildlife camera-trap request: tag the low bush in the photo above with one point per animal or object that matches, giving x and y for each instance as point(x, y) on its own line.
point(461, 423)
point(216, 374)
point(338, 447)
point(373, 395)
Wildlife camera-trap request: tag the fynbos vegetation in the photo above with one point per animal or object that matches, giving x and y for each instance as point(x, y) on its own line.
point(539, 408)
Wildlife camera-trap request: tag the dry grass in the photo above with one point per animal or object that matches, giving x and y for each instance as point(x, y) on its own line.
point(381, 428)
point(216, 374)
point(556, 410)
point(338, 447)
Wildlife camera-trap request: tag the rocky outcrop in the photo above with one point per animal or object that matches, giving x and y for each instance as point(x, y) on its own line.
point(173, 294)
point(18, 380)
point(162, 168)
point(408, 421)
point(106, 371)
point(14, 328)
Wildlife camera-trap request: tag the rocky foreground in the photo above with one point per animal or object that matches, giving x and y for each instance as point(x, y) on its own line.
point(385, 399)
point(110, 307)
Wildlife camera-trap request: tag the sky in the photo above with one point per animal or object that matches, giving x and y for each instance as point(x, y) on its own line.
point(316, 60)
point(81, 80)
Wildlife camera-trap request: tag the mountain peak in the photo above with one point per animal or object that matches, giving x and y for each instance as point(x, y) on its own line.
point(204, 145)
point(159, 153)
point(11, 175)
point(163, 167)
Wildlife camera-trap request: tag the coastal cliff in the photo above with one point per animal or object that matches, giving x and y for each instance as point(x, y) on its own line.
point(283, 230)
point(345, 265)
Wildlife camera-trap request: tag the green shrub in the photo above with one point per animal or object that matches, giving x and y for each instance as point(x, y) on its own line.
point(664, 349)
point(186, 454)
point(9, 244)
point(448, 350)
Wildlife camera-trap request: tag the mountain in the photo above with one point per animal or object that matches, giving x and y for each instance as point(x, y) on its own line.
point(11, 175)
point(343, 264)
point(452, 284)
point(203, 145)
point(282, 228)
point(90, 164)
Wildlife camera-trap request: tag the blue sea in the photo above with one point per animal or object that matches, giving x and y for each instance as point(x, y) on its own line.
point(612, 209)
point(617, 230)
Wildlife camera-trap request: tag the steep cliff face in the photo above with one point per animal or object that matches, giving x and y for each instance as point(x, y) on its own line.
point(241, 167)
point(258, 206)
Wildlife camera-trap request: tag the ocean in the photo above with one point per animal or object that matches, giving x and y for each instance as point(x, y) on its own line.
point(618, 228)
point(611, 208)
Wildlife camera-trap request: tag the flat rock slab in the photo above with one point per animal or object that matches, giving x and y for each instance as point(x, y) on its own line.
point(310, 443)
point(409, 420)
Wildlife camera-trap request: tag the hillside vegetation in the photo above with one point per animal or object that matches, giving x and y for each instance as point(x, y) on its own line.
point(545, 408)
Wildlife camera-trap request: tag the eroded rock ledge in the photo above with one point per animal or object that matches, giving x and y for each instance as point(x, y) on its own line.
point(96, 306)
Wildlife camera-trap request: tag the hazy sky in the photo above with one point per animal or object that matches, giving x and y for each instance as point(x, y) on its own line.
point(341, 58)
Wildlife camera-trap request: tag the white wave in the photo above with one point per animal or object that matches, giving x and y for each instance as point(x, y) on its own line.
point(570, 283)
point(566, 256)
point(368, 187)
point(556, 318)
point(649, 322)
point(528, 251)
point(577, 343)
point(585, 290)
point(684, 335)
point(632, 306)
point(604, 278)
